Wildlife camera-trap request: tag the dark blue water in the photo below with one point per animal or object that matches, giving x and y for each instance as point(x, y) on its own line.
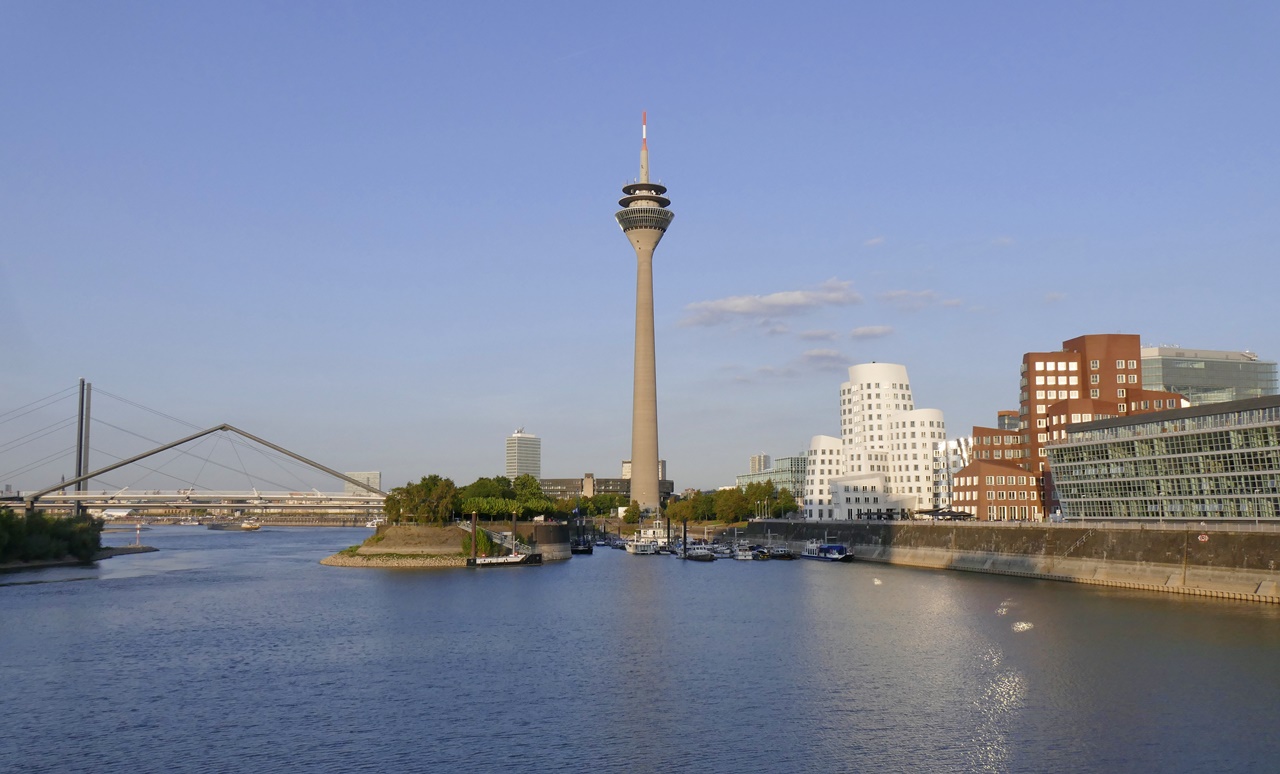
point(239, 652)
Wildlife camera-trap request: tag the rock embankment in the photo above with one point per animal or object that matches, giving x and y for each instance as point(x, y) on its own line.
point(343, 559)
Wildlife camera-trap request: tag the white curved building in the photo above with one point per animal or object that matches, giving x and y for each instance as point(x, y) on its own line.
point(887, 450)
point(917, 450)
point(825, 460)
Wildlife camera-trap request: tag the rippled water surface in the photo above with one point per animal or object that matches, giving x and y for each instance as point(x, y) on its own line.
point(239, 652)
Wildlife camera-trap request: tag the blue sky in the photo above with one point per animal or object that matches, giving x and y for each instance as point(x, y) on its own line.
point(382, 234)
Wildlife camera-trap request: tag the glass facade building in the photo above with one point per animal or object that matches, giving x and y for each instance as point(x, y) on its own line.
point(1205, 376)
point(785, 473)
point(1220, 461)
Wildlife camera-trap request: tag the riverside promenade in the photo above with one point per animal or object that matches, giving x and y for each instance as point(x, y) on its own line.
point(1222, 560)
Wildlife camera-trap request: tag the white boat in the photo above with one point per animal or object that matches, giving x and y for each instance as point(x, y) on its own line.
point(373, 523)
point(743, 552)
point(642, 547)
point(826, 552)
point(655, 533)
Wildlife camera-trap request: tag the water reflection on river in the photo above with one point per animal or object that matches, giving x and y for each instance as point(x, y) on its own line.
point(238, 652)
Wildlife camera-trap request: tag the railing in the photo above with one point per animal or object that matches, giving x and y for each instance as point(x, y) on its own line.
point(504, 539)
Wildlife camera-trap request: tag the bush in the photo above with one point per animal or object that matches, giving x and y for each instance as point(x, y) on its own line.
point(40, 537)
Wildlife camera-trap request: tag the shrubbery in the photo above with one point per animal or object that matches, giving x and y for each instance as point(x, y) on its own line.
point(37, 537)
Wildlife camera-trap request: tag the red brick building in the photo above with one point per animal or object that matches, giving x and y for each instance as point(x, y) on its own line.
point(1091, 377)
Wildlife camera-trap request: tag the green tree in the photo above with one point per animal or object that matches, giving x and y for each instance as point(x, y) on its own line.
point(786, 503)
point(760, 495)
point(527, 488)
point(432, 500)
point(704, 506)
point(681, 510)
point(731, 505)
point(632, 515)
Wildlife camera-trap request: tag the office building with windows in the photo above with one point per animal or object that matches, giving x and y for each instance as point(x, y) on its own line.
point(524, 455)
point(1092, 377)
point(1219, 461)
point(786, 473)
point(1207, 376)
point(371, 478)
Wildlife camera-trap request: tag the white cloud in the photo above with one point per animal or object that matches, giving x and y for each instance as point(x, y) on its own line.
point(833, 292)
point(870, 332)
point(874, 242)
point(1003, 241)
point(1053, 298)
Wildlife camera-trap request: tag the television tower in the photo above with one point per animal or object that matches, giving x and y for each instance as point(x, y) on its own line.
point(644, 219)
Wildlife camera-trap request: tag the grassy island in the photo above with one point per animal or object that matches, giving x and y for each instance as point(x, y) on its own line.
point(407, 545)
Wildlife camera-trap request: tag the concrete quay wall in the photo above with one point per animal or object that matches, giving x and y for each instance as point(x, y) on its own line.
point(1225, 564)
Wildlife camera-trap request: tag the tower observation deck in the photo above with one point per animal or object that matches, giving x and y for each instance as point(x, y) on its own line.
point(644, 218)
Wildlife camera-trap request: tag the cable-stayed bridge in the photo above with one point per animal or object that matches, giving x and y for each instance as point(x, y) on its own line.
point(185, 469)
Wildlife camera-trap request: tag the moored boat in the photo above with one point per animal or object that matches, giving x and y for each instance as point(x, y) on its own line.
point(826, 552)
point(642, 548)
point(510, 560)
point(698, 554)
point(780, 552)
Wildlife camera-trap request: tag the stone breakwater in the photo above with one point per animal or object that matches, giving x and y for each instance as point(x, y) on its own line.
point(392, 560)
point(1201, 560)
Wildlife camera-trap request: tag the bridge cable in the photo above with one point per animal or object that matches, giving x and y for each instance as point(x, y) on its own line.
point(38, 463)
point(232, 439)
point(42, 432)
point(180, 450)
point(57, 396)
point(161, 468)
point(153, 470)
point(248, 479)
point(135, 404)
point(273, 459)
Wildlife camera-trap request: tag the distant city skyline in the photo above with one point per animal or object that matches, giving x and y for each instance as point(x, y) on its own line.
point(380, 237)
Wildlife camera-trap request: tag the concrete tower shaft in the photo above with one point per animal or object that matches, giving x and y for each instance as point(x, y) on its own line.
point(644, 218)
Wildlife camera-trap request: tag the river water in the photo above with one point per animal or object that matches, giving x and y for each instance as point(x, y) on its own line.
point(239, 652)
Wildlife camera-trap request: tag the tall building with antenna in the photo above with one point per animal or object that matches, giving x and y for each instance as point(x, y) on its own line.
point(644, 218)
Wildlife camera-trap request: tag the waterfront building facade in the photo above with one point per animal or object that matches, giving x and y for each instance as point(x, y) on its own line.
point(824, 460)
point(915, 462)
point(885, 441)
point(524, 455)
point(1220, 460)
point(1092, 377)
point(1208, 376)
point(785, 473)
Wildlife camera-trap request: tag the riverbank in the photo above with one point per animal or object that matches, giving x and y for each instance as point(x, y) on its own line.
point(71, 561)
point(1179, 559)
